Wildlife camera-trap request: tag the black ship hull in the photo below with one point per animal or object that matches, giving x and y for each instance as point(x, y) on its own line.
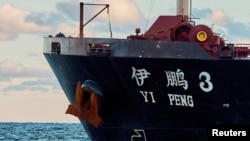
point(177, 81)
point(159, 99)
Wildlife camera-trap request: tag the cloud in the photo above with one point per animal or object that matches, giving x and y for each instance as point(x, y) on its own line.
point(65, 12)
point(46, 19)
point(33, 54)
point(9, 69)
point(70, 9)
point(232, 30)
point(122, 11)
point(201, 13)
point(65, 18)
point(40, 84)
point(219, 17)
point(16, 77)
point(238, 31)
point(224, 24)
point(23, 86)
point(13, 23)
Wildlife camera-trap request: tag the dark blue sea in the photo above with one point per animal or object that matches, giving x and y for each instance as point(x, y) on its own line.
point(22, 131)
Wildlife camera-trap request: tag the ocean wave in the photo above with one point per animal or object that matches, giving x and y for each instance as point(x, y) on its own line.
point(19, 131)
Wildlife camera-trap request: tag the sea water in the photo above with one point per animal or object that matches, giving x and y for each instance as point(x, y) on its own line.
point(22, 131)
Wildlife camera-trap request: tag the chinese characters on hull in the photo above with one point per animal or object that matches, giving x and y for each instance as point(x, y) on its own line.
point(173, 79)
point(176, 79)
point(140, 75)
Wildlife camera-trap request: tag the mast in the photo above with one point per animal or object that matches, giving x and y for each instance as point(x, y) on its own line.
point(182, 7)
point(81, 15)
point(81, 19)
point(190, 8)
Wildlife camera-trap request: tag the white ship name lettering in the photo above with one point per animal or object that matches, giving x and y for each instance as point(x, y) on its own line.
point(145, 95)
point(181, 100)
point(176, 79)
point(139, 75)
point(140, 133)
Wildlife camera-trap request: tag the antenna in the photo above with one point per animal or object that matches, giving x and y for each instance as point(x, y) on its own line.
point(190, 13)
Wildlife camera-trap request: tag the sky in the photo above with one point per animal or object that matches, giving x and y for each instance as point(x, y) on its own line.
point(30, 92)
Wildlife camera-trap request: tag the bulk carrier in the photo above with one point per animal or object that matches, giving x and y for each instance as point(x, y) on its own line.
point(172, 82)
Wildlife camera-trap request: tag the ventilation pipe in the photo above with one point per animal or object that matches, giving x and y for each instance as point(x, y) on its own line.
point(182, 7)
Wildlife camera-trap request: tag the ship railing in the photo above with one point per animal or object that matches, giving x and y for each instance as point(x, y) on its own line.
point(103, 49)
point(241, 50)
